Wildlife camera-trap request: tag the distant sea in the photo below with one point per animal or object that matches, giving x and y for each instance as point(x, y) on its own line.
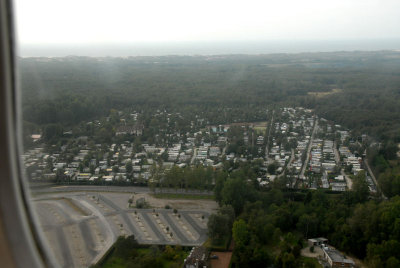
point(205, 48)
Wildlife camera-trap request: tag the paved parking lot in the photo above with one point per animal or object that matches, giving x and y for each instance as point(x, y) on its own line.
point(81, 226)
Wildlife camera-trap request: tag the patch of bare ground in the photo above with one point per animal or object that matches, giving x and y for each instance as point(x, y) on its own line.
point(224, 258)
point(307, 253)
point(325, 93)
point(200, 204)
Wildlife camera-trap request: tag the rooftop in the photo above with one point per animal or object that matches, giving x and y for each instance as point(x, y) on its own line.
point(336, 256)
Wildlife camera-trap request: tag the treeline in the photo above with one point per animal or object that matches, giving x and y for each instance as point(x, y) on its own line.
point(270, 226)
point(66, 109)
point(386, 167)
point(374, 112)
point(191, 177)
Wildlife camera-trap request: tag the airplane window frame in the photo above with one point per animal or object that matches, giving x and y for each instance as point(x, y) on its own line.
point(21, 243)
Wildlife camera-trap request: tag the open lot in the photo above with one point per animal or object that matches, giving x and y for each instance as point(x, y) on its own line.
point(80, 226)
point(224, 258)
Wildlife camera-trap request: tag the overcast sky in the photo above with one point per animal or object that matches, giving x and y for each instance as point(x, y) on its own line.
point(129, 21)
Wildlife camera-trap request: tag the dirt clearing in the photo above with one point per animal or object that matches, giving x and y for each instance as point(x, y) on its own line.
point(224, 258)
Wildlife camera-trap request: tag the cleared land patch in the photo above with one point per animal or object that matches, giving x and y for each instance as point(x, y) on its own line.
point(325, 93)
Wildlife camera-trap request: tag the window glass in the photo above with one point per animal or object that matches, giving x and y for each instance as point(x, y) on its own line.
point(170, 129)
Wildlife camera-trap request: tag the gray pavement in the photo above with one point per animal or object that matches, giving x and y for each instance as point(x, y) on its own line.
point(93, 232)
point(55, 188)
point(153, 227)
point(373, 176)
point(303, 169)
point(269, 134)
point(87, 236)
point(196, 226)
point(65, 250)
point(175, 228)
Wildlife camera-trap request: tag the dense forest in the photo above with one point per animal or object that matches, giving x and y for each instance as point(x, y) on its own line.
point(72, 89)
point(269, 226)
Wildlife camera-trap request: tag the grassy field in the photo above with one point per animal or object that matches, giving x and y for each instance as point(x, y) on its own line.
point(183, 196)
point(260, 130)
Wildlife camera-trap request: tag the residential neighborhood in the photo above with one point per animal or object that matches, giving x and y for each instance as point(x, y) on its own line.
point(292, 145)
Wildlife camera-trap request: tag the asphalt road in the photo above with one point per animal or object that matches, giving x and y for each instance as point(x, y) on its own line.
point(89, 188)
point(303, 169)
point(269, 133)
point(373, 176)
point(349, 182)
point(55, 188)
point(337, 156)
